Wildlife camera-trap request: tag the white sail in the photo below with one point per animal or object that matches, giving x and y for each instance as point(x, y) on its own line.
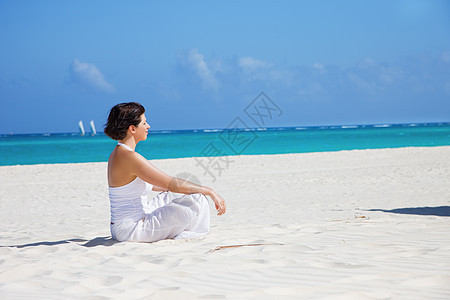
point(93, 131)
point(80, 125)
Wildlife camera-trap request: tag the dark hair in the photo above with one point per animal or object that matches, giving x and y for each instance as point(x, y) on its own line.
point(121, 116)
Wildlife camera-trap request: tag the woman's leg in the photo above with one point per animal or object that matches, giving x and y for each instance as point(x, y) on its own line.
point(183, 217)
point(163, 223)
point(200, 224)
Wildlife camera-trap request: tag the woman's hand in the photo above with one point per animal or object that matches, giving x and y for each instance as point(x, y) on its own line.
point(149, 173)
point(219, 203)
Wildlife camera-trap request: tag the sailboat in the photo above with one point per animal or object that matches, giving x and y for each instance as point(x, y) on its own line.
point(93, 131)
point(80, 125)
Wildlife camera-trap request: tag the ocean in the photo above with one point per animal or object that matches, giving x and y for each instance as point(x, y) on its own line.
point(24, 149)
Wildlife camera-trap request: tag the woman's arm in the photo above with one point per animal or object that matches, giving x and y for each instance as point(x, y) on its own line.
point(148, 172)
point(158, 189)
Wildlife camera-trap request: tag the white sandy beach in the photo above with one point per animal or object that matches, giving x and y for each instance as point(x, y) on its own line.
point(342, 225)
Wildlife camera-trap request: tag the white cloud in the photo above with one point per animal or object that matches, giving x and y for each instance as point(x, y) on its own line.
point(318, 66)
point(391, 74)
point(366, 63)
point(198, 63)
point(251, 64)
point(367, 79)
point(254, 69)
point(90, 77)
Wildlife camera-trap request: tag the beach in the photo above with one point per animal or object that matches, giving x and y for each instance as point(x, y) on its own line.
point(360, 224)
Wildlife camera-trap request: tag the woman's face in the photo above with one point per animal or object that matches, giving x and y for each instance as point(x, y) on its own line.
point(142, 129)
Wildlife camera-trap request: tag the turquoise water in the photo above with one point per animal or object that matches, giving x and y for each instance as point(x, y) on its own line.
point(73, 148)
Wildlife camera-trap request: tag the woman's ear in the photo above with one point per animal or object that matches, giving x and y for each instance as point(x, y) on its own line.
point(132, 129)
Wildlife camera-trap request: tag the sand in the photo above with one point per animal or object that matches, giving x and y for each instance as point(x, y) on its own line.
point(362, 224)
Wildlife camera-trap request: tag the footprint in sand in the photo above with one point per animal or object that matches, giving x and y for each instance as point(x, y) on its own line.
point(4, 251)
point(40, 250)
point(112, 280)
point(328, 265)
point(101, 281)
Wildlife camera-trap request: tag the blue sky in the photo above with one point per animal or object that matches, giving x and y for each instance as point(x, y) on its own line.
point(198, 64)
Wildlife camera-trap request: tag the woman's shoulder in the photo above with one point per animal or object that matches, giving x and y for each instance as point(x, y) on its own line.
point(128, 156)
point(120, 155)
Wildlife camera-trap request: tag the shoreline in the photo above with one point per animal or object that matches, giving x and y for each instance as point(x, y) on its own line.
point(28, 150)
point(345, 224)
point(237, 155)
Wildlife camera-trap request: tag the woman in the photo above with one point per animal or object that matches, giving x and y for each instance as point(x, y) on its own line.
point(131, 178)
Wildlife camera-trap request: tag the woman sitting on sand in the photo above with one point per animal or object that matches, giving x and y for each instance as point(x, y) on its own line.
point(131, 177)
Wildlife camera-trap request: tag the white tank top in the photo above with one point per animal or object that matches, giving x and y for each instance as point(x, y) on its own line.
point(126, 200)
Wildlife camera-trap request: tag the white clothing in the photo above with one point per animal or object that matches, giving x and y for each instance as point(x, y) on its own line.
point(166, 216)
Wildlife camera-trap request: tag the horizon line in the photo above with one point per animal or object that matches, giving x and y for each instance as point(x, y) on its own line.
point(330, 126)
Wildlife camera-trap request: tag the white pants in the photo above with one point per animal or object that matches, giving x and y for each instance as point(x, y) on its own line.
point(167, 216)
